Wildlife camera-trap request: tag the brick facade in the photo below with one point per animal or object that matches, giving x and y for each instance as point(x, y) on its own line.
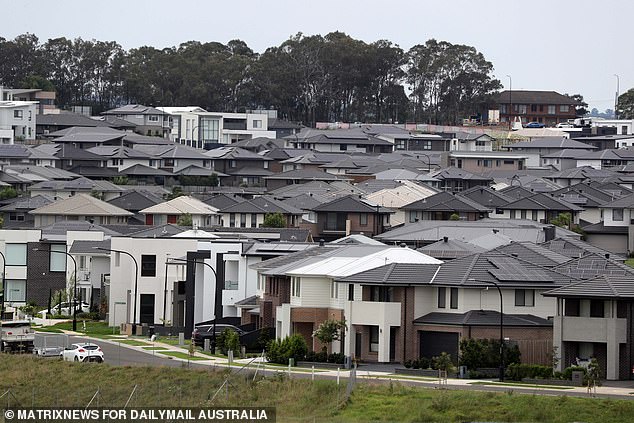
point(40, 281)
point(305, 320)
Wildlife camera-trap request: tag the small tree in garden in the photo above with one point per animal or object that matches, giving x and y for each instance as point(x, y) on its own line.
point(274, 220)
point(593, 374)
point(329, 330)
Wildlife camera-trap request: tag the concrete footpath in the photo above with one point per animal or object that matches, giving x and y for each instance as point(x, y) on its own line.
point(378, 373)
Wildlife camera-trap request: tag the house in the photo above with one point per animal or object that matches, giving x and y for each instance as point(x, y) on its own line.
point(349, 215)
point(278, 180)
point(538, 147)
point(68, 157)
point(606, 159)
point(338, 140)
point(174, 158)
point(16, 214)
point(134, 201)
point(590, 198)
point(465, 141)
point(121, 158)
point(594, 319)
point(547, 107)
point(396, 198)
point(80, 207)
point(243, 166)
point(455, 179)
point(45, 100)
point(539, 207)
point(57, 189)
point(147, 120)
point(613, 233)
point(445, 206)
point(170, 211)
point(17, 121)
point(54, 122)
point(252, 213)
point(483, 161)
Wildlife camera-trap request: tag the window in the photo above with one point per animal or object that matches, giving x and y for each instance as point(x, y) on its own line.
point(453, 298)
point(442, 297)
point(295, 286)
point(597, 308)
point(18, 114)
point(363, 219)
point(551, 109)
point(524, 297)
point(381, 293)
point(232, 220)
point(254, 220)
point(426, 145)
point(257, 123)
point(168, 162)
point(334, 290)
point(243, 220)
point(486, 163)
point(266, 164)
point(57, 258)
point(148, 265)
point(83, 263)
point(210, 130)
point(533, 107)
point(15, 254)
point(15, 290)
point(153, 118)
point(534, 215)
point(413, 216)
point(480, 143)
point(521, 109)
point(502, 108)
point(343, 147)
point(522, 214)
point(232, 163)
point(624, 130)
point(509, 162)
point(564, 108)
point(350, 292)
point(374, 339)
point(512, 214)
point(617, 215)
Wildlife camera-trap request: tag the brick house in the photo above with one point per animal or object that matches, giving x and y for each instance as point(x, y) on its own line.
point(547, 107)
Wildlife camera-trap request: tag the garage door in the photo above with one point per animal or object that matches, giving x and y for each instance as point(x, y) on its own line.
point(434, 343)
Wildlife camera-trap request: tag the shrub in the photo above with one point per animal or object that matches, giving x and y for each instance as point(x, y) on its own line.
point(408, 364)
point(337, 358)
point(88, 316)
point(279, 351)
point(442, 362)
point(424, 362)
point(478, 353)
point(567, 373)
point(231, 341)
point(517, 371)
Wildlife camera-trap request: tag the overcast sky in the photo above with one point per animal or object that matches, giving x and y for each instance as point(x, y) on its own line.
point(568, 46)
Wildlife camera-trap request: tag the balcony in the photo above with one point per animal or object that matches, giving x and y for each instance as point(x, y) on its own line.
point(231, 285)
point(592, 329)
point(373, 313)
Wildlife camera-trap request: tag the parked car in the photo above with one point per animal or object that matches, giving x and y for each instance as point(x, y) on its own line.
point(564, 125)
point(66, 308)
point(534, 125)
point(206, 331)
point(16, 335)
point(83, 352)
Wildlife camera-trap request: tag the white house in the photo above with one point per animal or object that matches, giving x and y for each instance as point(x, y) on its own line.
point(17, 120)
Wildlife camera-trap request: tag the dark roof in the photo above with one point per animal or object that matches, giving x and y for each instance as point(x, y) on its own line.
point(143, 170)
point(306, 174)
point(95, 171)
point(27, 203)
point(14, 151)
point(304, 201)
point(220, 201)
point(136, 200)
point(89, 247)
point(575, 248)
point(534, 253)
point(486, 196)
point(594, 265)
point(395, 274)
point(600, 228)
point(480, 269)
point(450, 249)
point(534, 97)
point(605, 286)
point(622, 203)
point(69, 119)
point(264, 204)
point(135, 109)
point(351, 204)
point(455, 173)
point(313, 251)
point(540, 201)
point(446, 201)
point(551, 142)
point(481, 318)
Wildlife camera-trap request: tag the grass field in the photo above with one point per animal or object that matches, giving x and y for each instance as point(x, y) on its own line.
point(296, 400)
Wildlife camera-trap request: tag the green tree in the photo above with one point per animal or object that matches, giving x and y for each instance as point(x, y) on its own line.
point(328, 331)
point(231, 341)
point(625, 105)
point(176, 192)
point(274, 220)
point(8, 192)
point(582, 108)
point(120, 180)
point(184, 220)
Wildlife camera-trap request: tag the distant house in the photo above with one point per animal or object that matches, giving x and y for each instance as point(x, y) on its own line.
point(350, 215)
point(202, 214)
point(483, 161)
point(148, 120)
point(547, 107)
point(338, 140)
point(251, 213)
point(455, 179)
point(63, 189)
point(443, 206)
point(243, 167)
point(80, 207)
point(536, 148)
point(539, 207)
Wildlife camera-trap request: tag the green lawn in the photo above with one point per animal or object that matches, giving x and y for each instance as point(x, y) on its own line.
point(154, 348)
point(520, 385)
point(134, 343)
point(92, 328)
point(296, 400)
point(184, 356)
point(630, 262)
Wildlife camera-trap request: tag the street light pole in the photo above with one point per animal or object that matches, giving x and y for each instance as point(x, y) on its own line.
point(501, 330)
point(4, 270)
point(616, 98)
point(136, 280)
point(74, 285)
point(510, 102)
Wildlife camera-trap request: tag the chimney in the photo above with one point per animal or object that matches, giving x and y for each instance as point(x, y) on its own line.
point(607, 255)
point(322, 242)
point(445, 238)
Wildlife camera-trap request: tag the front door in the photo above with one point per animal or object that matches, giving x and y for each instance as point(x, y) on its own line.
point(357, 345)
point(393, 333)
point(146, 310)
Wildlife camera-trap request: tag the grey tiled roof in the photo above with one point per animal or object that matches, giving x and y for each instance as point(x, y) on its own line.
point(593, 265)
point(486, 196)
point(395, 274)
point(89, 247)
point(351, 204)
point(576, 248)
point(534, 253)
point(450, 249)
point(551, 142)
point(306, 175)
point(27, 203)
point(264, 204)
point(281, 261)
point(136, 200)
point(605, 286)
point(541, 201)
point(446, 201)
point(482, 318)
point(534, 97)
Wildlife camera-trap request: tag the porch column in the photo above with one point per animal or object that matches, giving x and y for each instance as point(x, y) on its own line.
point(384, 344)
point(612, 359)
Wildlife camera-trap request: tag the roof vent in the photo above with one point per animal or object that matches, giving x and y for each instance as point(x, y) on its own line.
point(495, 231)
point(322, 242)
point(445, 239)
point(514, 255)
point(607, 255)
point(403, 245)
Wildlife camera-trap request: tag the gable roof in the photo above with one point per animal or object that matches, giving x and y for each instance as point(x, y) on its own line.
point(534, 253)
point(455, 173)
point(264, 204)
point(394, 274)
point(540, 201)
point(350, 204)
point(604, 286)
point(481, 318)
point(81, 205)
point(446, 201)
point(575, 248)
point(181, 205)
point(551, 142)
point(534, 97)
point(136, 200)
point(486, 196)
point(450, 249)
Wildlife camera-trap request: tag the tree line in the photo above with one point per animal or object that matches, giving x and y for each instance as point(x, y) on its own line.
point(307, 78)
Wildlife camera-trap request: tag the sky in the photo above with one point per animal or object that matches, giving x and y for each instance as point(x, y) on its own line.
point(568, 46)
